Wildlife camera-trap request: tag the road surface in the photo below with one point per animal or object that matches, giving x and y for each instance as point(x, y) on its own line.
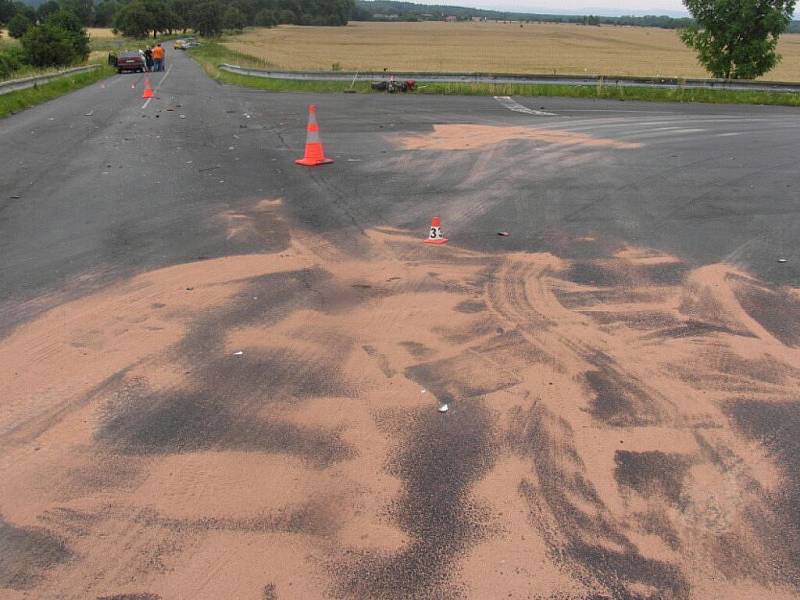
point(221, 371)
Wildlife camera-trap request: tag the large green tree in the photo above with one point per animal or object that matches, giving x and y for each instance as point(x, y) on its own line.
point(83, 9)
point(19, 25)
point(265, 18)
point(141, 17)
point(7, 11)
point(737, 39)
point(49, 46)
point(233, 19)
point(134, 20)
point(206, 18)
point(104, 13)
point(182, 9)
point(47, 9)
point(68, 22)
point(24, 9)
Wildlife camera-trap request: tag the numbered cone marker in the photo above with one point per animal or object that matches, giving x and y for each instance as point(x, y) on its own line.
point(435, 236)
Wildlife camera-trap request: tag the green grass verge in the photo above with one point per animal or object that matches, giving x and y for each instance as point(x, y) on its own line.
point(211, 54)
point(610, 92)
point(21, 99)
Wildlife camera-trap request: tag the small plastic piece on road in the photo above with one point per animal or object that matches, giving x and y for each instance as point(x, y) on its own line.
point(783, 260)
point(503, 233)
point(238, 353)
point(444, 408)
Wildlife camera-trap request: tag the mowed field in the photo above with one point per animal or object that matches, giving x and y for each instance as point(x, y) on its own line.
point(100, 33)
point(488, 47)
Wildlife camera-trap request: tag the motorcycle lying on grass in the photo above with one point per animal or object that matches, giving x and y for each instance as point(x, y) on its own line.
point(393, 85)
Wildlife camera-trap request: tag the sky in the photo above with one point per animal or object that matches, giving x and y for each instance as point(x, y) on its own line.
point(599, 7)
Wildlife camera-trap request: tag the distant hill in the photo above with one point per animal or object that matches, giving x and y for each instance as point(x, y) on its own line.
point(391, 10)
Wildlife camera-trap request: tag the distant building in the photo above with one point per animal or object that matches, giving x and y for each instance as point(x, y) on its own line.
point(451, 19)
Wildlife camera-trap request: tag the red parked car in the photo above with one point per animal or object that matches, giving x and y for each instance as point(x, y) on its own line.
point(130, 61)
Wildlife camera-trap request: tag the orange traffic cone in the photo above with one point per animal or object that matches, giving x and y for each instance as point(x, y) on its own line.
point(148, 91)
point(435, 236)
point(315, 155)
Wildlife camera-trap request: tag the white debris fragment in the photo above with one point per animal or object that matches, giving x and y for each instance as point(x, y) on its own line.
point(444, 408)
point(238, 353)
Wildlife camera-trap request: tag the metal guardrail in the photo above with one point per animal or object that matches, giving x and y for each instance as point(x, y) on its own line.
point(20, 84)
point(606, 80)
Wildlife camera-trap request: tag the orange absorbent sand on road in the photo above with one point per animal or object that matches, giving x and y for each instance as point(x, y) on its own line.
point(277, 414)
point(472, 137)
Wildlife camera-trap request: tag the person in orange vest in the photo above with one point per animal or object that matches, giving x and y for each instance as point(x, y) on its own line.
point(158, 57)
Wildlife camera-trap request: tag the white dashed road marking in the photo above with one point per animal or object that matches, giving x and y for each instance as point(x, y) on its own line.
point(517, 107)
point(158, 86)
point(160, 83)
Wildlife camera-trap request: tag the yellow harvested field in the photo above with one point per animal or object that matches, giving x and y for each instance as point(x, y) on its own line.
point(488, 47)
point(96, 33)
point(100, 33)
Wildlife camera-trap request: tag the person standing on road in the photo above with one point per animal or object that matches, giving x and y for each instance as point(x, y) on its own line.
point(148, 58)
point(158, 57)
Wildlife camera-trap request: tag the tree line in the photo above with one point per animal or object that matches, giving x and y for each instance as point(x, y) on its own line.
point(391, 10)
point(140, 18)
point(733, 39)
point(51, 35)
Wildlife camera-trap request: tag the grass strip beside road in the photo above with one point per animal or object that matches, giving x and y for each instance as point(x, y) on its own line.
point(19, 100)
point(212, 54)
point(613, 92)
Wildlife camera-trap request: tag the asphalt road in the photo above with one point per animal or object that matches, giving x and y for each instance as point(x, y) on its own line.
point(618, 202)
point(131, 187)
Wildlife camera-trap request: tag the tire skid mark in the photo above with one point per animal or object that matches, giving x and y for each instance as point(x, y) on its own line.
point(579, 540)
point(612, 380)
point(437, 463)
